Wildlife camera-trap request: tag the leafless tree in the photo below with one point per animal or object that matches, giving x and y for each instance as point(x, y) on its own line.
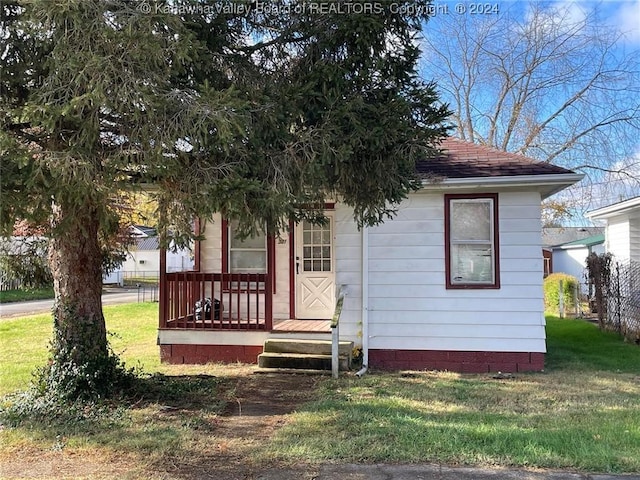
point(551, 82)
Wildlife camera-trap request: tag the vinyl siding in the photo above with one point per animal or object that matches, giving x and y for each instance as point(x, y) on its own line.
point(348, 252)
point(409, 306)
point(634, 238)
point(618, 236)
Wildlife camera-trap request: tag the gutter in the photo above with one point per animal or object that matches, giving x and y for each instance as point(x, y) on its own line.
point(613, 210)
point(556, 181)
point(364, 307)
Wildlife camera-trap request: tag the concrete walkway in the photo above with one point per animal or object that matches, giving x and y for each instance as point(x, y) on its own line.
point(430, 472)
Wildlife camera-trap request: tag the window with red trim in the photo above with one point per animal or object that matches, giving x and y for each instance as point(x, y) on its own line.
point(471, 241)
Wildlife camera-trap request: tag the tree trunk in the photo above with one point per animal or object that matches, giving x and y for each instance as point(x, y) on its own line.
point(76, 264)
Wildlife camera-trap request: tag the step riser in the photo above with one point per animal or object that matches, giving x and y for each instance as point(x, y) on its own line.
point(314, 347)
point(304, 363)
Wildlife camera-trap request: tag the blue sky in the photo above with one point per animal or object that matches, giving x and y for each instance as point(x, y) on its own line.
point(620, 16)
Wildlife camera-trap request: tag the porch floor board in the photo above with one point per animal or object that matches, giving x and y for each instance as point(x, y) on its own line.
point(317, 326)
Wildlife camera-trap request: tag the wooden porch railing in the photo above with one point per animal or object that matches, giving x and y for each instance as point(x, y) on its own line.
point(245, 301)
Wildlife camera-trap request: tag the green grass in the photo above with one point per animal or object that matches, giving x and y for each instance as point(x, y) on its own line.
point(24, 342)
point(583, 413)
point(19, 295)
point(577, 345)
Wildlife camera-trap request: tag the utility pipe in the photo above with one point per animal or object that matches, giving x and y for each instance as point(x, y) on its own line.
point(364, 234)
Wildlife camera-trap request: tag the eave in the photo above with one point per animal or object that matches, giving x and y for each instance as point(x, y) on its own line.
point(615, 209)
point(547, 185)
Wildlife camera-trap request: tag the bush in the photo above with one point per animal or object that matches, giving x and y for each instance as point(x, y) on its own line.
point(552, 291)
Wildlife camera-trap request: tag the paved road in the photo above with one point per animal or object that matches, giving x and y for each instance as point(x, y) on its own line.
point(431, 472)
point(110, 297)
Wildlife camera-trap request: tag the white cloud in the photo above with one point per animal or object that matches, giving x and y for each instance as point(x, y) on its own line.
point(627, 20)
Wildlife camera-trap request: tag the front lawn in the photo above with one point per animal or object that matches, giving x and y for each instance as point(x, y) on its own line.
point(19, 295)
point(583, 413)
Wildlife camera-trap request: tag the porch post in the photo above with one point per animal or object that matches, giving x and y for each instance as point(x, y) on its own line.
point(163, 287)
point(269, 283)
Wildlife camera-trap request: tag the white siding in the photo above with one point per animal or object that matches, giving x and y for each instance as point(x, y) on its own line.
point(618, 237)
point(409, 306)
point(348, 252)
point(634, 238)
point(211, 246)
point(573, 262)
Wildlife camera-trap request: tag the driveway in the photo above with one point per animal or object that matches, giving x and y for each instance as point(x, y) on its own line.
point(111, 296)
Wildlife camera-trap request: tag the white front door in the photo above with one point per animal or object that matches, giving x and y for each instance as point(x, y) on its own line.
point(315, 270)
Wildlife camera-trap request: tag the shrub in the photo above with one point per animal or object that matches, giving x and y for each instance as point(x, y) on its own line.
point(552, 291)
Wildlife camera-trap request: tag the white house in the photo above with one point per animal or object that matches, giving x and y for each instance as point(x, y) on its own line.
point(452, 282)
point(570, 257)
point(622, 233)
point(143, 258)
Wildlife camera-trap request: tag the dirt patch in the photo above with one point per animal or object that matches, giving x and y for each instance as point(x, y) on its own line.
point(258, 404)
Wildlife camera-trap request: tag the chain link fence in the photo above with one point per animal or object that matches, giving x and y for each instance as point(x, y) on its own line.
point(616, 297)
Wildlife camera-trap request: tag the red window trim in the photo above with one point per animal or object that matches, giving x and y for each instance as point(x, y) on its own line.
point(447, 242)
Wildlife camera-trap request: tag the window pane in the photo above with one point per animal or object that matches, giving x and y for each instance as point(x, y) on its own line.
point(259, 241)
point(317, 266)
point(244, 261)
point(326, 265)
point(471, 263)
point(307, 265)
point(306, 252)
point(317, 252)
point(471, 220)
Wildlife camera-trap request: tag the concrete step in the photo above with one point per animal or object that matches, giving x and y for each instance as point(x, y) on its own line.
point(303, 361)
point(318, 347)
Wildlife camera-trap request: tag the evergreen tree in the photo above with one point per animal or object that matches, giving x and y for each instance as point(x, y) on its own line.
point(260, 114)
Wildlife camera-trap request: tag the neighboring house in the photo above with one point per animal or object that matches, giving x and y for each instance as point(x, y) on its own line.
point(569, 248)
point(552, 236)
point(622, 240)
point(571, 258)
point(143, 258)
point(622, 231)
point(452, 282)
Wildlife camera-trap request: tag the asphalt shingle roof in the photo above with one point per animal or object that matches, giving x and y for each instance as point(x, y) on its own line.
point(555, 236)
point(461, 159)
point(148, 243)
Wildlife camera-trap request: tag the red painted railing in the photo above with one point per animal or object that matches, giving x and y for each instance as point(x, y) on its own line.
point(245, 301)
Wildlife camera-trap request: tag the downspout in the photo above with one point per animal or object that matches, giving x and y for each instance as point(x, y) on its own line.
point(364, 234)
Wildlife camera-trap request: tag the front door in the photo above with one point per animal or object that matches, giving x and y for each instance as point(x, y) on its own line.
point(315, 270)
